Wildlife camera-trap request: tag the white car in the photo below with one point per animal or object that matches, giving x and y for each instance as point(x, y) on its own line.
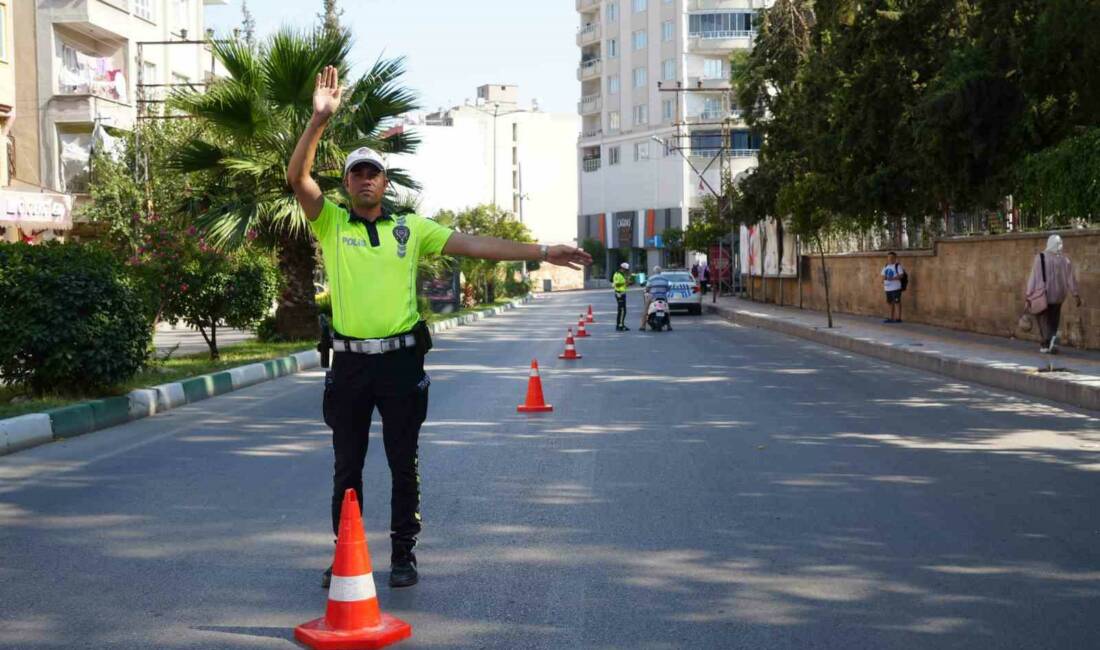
point(684, 291)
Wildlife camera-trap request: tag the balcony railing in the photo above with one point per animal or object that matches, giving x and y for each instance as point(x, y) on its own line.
point(590, 33)
point(588, 134)
point(589, 69)
point(732, 153)
point(724, 34)
point(591, 164)
point(590, 104)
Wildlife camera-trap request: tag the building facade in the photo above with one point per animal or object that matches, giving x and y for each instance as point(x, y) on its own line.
point(494, 151)
point(657, 116)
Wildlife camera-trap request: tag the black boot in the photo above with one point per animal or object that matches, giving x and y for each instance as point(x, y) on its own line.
point(403, 568)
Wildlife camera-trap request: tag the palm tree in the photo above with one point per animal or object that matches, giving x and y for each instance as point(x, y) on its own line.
point(252, 121)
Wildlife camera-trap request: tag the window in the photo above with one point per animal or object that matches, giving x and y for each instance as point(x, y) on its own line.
point(667, 30)
point(728, 24)
point(668, 110)
point(613, 155)
point(744, 141)
point(712, 69)
point(3, 31)
point(613, 121)
point(641, 114)
point(639, 77)
point(639, 5)
point(515, 155)
point(612, 12)
point(712, 108)
point(641, 151)
point(668, 69)
point(515, 204)
point(149, 73)
point(75, 154)
point(143, 9)
point(515, 132)
point(639, 40)
point(612, 48)
point(613, 85)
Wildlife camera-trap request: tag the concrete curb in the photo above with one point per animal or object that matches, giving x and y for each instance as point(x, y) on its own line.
point(1082, 393)
point(33, 429)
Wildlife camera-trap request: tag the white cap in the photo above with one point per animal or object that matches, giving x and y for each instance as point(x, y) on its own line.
point(624, 265)
point(364, 155)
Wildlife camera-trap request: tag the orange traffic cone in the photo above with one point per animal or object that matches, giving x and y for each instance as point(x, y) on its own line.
point(535, 402)
point(570, 347)
point(353, 619)
point(590, 318)
point(581, 332)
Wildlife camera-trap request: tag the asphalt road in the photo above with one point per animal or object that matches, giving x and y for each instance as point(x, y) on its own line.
point(716, 487)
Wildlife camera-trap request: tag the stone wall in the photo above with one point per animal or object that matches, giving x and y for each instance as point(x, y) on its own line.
point(562, 278)
point(974, 284)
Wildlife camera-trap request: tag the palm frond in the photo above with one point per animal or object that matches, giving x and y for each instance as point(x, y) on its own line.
point(292, 59)
point(240, 60)
point(196, 156)
point(229, 106)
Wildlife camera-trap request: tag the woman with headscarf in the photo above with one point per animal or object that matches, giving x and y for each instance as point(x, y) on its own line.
point(1053, 273)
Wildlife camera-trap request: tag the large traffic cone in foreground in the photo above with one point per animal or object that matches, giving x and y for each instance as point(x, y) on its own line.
point(590, 318)
point(581, 332)
point(535, 402)
point(570, 347)
point(353, 620)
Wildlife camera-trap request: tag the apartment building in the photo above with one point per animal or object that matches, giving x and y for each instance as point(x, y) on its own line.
point(88, 58)
point(656, 101)
point(493, 150)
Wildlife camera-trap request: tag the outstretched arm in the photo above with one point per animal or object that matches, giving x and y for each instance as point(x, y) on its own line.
point(492, 248)
point(326, 99)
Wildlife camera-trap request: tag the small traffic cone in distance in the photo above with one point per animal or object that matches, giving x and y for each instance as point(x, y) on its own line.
point(570, 347)
point(535, 402)
point(590, 318)
point(353, 619)
point(581, 332)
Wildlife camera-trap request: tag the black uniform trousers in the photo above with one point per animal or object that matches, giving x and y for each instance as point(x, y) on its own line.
point(620, 316)
point(395, 383)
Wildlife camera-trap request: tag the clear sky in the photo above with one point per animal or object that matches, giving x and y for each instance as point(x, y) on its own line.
point(452, 46)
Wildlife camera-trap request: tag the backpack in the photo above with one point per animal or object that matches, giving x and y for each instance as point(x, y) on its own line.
point(903, 277)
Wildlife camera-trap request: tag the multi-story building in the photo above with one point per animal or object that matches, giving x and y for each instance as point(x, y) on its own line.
point(88, 58)
point(495, 151)
point(656, 101)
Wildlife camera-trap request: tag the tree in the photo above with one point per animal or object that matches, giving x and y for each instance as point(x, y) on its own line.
point(489, 221)
point(598, 251)
point(248, 24)
point(234, 290)
point(674, 243)
point(330, 19)
point(251, 121)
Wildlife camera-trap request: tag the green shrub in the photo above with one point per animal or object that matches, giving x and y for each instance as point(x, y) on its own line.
point(234, 290)
point(70, 319)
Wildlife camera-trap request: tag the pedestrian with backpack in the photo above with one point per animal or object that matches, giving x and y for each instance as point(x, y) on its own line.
point(895, 281)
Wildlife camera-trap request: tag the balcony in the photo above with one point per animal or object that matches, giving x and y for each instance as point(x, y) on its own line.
point(709, 154)
point(99, 20)
point(587, 5)
point(589, 34)
point(590, 104)
point(590, 164)
point(589, 70)
point(711, 115)
point(591, 133)
point(710, 83)
point(709, 5)
point(721, 41)
point(83, 71)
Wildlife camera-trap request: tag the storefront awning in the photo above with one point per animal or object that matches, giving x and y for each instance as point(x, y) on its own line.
point(30, 210)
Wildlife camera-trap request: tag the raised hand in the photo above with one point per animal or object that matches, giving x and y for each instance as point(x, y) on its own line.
point(327, 93)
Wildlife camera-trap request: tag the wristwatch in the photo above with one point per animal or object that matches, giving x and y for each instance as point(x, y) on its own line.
point(544, 252)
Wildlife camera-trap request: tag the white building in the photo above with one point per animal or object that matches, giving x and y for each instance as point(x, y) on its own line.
point(495, 151)
point(90, 55)
point(655, 84)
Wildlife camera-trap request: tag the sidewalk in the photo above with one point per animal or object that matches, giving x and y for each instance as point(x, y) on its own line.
point(1071, 377)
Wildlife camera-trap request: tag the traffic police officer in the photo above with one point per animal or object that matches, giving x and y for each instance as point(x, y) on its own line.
point(379, 341)
point(618, 282)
